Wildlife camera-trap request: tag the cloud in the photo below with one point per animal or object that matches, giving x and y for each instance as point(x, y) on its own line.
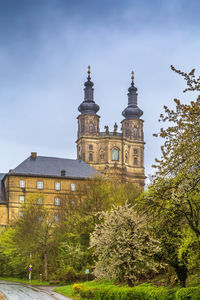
point(43, 68)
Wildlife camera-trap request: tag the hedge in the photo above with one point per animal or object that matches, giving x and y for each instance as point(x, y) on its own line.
point(141, 292)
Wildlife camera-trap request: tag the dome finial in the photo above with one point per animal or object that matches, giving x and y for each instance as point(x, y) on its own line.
point(132, 77)
point(89, 72)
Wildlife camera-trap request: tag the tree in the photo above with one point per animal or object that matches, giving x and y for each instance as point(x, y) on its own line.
point(180, 151)
point(34, 232)
point(167, 224)
point(123, 245)
point(172, 202)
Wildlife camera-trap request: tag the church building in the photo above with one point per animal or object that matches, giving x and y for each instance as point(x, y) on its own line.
point(117, 154)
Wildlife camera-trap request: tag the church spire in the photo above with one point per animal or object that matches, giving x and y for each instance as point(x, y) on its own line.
point(132, 111)
point(88, 106)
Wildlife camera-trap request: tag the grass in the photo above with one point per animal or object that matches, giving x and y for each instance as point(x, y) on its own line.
point(33, 282)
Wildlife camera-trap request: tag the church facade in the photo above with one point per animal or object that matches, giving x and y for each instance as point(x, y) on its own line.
point(117, 154)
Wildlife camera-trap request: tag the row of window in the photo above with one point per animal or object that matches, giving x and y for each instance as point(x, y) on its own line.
point(57, 216)
point(39, 200)
point(40, 185)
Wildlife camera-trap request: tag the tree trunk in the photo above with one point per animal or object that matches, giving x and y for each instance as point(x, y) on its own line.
point(45, 266)
point(182, 273)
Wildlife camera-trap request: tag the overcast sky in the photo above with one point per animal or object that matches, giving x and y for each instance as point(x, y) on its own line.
point(46, 46)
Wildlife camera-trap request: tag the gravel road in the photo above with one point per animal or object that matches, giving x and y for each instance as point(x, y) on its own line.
point(18, 291)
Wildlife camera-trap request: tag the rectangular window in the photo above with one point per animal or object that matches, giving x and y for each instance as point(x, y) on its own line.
point(40, 185)
point(135, 151)
point(22, 183)
point(57, 201)
point(21, 199)
point(39, 201)
point(21, 214)
point(73, 187)
point(57, 186)
point(57, 217)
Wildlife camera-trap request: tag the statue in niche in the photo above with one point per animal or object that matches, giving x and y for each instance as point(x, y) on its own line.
point(115, 129)
point(107, 129)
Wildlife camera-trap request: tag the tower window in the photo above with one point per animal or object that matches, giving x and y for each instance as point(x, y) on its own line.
point(135, 151)
point(91, 127)
point(90, 147)
point(102, 156)
point(82, 126)
point(115, 154)
point(90, 157)
point(135, 131)
point(135, 161)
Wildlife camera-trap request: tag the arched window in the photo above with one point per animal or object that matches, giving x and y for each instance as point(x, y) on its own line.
point(135, 131)
point(91, 127)
point(90, 157)
point(135, 161)
point(115, 154)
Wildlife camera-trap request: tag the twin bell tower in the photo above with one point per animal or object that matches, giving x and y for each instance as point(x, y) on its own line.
point(117, 154)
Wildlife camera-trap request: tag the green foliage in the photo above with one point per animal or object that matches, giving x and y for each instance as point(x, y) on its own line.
point(112, 292)
point(192, 293)
point(123, 246)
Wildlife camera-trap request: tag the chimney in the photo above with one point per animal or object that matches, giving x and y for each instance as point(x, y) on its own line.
point(33, 155)
point(63, 172)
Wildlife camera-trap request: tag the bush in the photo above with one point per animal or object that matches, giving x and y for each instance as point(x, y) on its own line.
point(89, 293)
point(141, 292)
point(77, 288)
point(192, 293)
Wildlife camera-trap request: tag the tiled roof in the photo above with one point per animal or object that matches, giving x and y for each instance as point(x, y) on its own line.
point(52, 166)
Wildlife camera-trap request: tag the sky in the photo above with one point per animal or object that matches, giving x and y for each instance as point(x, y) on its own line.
point(46, 46)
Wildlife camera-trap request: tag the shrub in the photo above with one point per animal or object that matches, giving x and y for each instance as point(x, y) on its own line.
point(77, 288)
point(89, 293)
point(141, 292)
point(192, 293)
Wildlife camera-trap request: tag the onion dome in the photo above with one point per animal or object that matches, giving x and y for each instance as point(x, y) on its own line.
point(132, 111)
point(88, 106)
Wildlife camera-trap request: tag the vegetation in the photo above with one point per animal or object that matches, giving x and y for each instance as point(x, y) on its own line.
point(58, 249)
point(123, 245)
point(117, 233)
